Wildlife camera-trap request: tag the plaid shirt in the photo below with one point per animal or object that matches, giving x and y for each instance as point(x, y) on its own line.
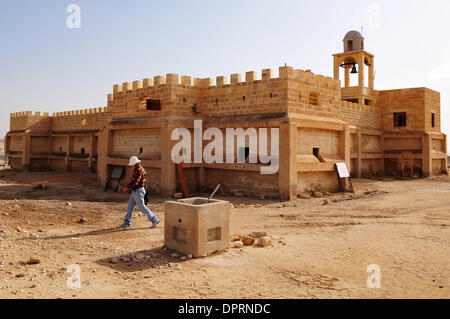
point(139, 178)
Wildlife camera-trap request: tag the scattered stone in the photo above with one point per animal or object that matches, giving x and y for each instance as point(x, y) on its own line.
point(305, 196)
point(258, 234)
point(21, 275)
point(33, 286)
point(34, 261)
point(236, 238)
point(258, 206)
point(264, 241)
point(18, 229)
point(241, 206)
point(328, 194)
point(174, 255)
point(237, 244)
point(1, 239)
point(190, 256)
point(69, 204)
point(178, 195)
point(285, 205)
point(248, 241)
point(318, 194)
point(33, 235)
point(82, 220)
point(326, 202)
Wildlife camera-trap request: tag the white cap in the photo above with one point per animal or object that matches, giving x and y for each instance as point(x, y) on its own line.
point(133, 161)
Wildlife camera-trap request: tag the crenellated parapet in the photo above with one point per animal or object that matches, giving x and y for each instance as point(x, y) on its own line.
point(285, 72)
point(355, 106)
point(96, 110)
point(77, 119)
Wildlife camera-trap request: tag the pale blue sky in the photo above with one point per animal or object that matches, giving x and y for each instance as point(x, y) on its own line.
point(44, 66)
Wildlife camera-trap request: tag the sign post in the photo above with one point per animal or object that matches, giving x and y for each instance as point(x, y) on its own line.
point(343, 175)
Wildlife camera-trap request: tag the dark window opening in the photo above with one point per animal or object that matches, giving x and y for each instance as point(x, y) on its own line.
point(350, 45)
point(399, 119)
point(82, 151)
point(432, 120)
point(270, 95)
point(140, 151)
point(316, 152)
point(194, 108)
point(153, 105)
point(184, 100)
point(60, 149)
point(243, 98)
point(217, 101)
point(314, 98)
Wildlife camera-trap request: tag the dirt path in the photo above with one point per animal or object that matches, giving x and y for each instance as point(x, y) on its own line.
point(318, 251)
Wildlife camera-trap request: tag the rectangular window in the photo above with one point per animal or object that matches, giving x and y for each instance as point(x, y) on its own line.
point(314, 98)
point(399, 119)
point(432, 120)
point(350, 45)
point(316, 152)
point(153, 105)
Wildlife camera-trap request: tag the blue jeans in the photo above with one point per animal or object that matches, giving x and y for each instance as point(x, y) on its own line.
point(137, 198)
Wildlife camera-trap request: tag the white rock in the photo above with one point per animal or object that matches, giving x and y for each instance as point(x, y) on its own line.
point(237, 244)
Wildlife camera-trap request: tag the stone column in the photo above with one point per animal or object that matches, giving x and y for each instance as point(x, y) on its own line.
point(445, 152)
point(7, 144)
point(104, 142)
point(50, 146)
point(371, 74)
point(358, 161)
point(26, 157)
point(91, 151)
point(427, 167)
point(69, 151)
point(288, 174)
point(168, 169)
point(361, 78)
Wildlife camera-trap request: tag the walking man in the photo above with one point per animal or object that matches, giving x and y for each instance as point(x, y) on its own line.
point(138, 187)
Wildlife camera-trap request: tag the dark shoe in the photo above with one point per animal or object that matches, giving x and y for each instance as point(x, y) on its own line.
point(125, 226)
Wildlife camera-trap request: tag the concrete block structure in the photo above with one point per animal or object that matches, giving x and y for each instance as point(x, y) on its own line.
point(320, 121)
point(194, 226)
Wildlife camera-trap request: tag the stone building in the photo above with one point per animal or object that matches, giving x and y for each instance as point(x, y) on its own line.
point(320, 121)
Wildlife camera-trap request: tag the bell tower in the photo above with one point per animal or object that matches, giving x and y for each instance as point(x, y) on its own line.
point(353, 60)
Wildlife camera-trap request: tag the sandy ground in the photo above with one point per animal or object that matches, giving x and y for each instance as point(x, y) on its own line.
point(317, 251)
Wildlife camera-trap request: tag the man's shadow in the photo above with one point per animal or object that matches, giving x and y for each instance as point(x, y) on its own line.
point(90, 233)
